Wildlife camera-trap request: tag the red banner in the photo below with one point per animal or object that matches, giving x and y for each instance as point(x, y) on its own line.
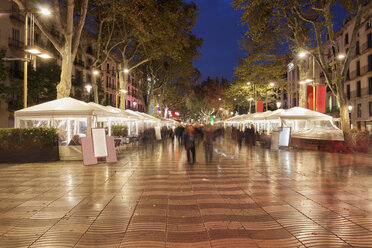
point(259, 107)
point(321, 95)
point(310, 99)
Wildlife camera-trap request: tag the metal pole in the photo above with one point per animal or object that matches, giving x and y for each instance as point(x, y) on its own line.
point(314, 91)
point(25, 64)
point(116, 90)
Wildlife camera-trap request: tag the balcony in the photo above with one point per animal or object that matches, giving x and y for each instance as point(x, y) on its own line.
point(13, 43)
point(363, 92)
point(17, 18)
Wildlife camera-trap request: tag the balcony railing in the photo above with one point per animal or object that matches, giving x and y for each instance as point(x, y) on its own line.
point(15, 43)
point(17, 17)
point(363, 92)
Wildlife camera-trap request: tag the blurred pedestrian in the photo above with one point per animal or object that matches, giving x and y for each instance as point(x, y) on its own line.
point(239, 137)
point(208, 143)
point(189, 141)
point(179, 133)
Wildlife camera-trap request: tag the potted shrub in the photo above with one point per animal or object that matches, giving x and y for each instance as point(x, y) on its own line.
point(26, 145)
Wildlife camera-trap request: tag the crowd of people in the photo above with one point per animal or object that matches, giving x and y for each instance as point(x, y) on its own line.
point(191, 136)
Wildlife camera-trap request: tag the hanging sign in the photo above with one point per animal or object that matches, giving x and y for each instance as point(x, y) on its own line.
point(321, 94)
point(259, 107)
point(310, 99)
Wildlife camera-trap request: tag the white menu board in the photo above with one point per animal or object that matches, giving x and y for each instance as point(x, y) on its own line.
point(285, 135)
point(99, 142)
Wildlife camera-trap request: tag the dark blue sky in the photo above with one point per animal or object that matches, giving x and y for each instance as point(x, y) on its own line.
point(218, 25)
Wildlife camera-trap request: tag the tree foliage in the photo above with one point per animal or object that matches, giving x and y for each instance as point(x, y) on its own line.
point(305, 25)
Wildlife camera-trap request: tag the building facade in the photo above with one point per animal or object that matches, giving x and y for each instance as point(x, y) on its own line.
point(358, 82)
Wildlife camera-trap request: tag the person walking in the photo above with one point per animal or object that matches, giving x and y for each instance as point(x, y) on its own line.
point(179, 133)
point(189, 142)
point(208, 143)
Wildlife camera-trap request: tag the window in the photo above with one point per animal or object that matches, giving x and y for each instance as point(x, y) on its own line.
point(128, 104)
point(369, 40)
point(107, 82)
point(370, 108)
point(359, 110)
point(348, 75)
point(370, 85)
point(15, 34)
point(330, 104)
point(89, 78)
point(346, 39)
point(370, 62)
point(358, 89)
point(357, 48)
point(369, 24)
point(108, 68)
point(348, 91)
point(358, 67)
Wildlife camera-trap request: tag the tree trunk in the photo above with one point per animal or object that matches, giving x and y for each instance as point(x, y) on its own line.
point(122, 85)
point(302, 90)
point(64, 86)
point(344, 114)
point(95, 89)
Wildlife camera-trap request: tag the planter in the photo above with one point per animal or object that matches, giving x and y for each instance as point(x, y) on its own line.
point(70, 153)
point(32, 155)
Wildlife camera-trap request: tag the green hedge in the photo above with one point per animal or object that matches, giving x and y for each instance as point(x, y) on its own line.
point(33, 137)
point(119, 130)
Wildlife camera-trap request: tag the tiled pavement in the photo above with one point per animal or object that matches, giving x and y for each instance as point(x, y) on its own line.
point(152, 198)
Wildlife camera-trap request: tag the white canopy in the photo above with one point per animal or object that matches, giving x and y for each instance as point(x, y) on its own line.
point(64, 107)
point(299, 113)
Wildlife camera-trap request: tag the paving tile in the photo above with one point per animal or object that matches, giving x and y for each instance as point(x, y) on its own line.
point(153, 198)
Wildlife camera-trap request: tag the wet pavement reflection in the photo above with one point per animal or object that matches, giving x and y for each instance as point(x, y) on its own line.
point(245, 197)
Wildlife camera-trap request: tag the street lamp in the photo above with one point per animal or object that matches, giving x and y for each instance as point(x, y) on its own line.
point(278, 104)
point(126, 70)
point(350, 108)
point(309, 80)
point(250, 104)
point(88, 87)
point(272, 84)
point(26, 59)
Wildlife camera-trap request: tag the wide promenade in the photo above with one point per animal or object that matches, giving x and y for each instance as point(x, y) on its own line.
point(248, 197)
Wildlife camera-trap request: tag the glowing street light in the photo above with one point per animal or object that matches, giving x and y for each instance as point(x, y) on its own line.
point(350, 107)
point(278, 104)
point(44, 11)
point(341, 56)
point(126, 70)
point(302, 54)
point(95, 72)
point(123, 91)
point(219, 99)
point(272, 84)
point(248, 83)
point(88, 88)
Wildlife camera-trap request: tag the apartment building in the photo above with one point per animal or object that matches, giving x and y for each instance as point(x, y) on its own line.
point(358, 83)
point(12, 30)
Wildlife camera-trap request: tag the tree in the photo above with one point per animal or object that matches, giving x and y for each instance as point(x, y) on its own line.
point(151, 31)
point(304, 25)
point(68, 23)
point(260, 76)
point(207, 97)
point(41, 85)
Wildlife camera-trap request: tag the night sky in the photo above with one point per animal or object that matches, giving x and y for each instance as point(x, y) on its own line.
point(219, 26)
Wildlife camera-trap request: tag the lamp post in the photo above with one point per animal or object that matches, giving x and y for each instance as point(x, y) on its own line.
point(28, 15)
point(278, 104)
point(350, 108)
point(120, 91)
point(271, 85)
